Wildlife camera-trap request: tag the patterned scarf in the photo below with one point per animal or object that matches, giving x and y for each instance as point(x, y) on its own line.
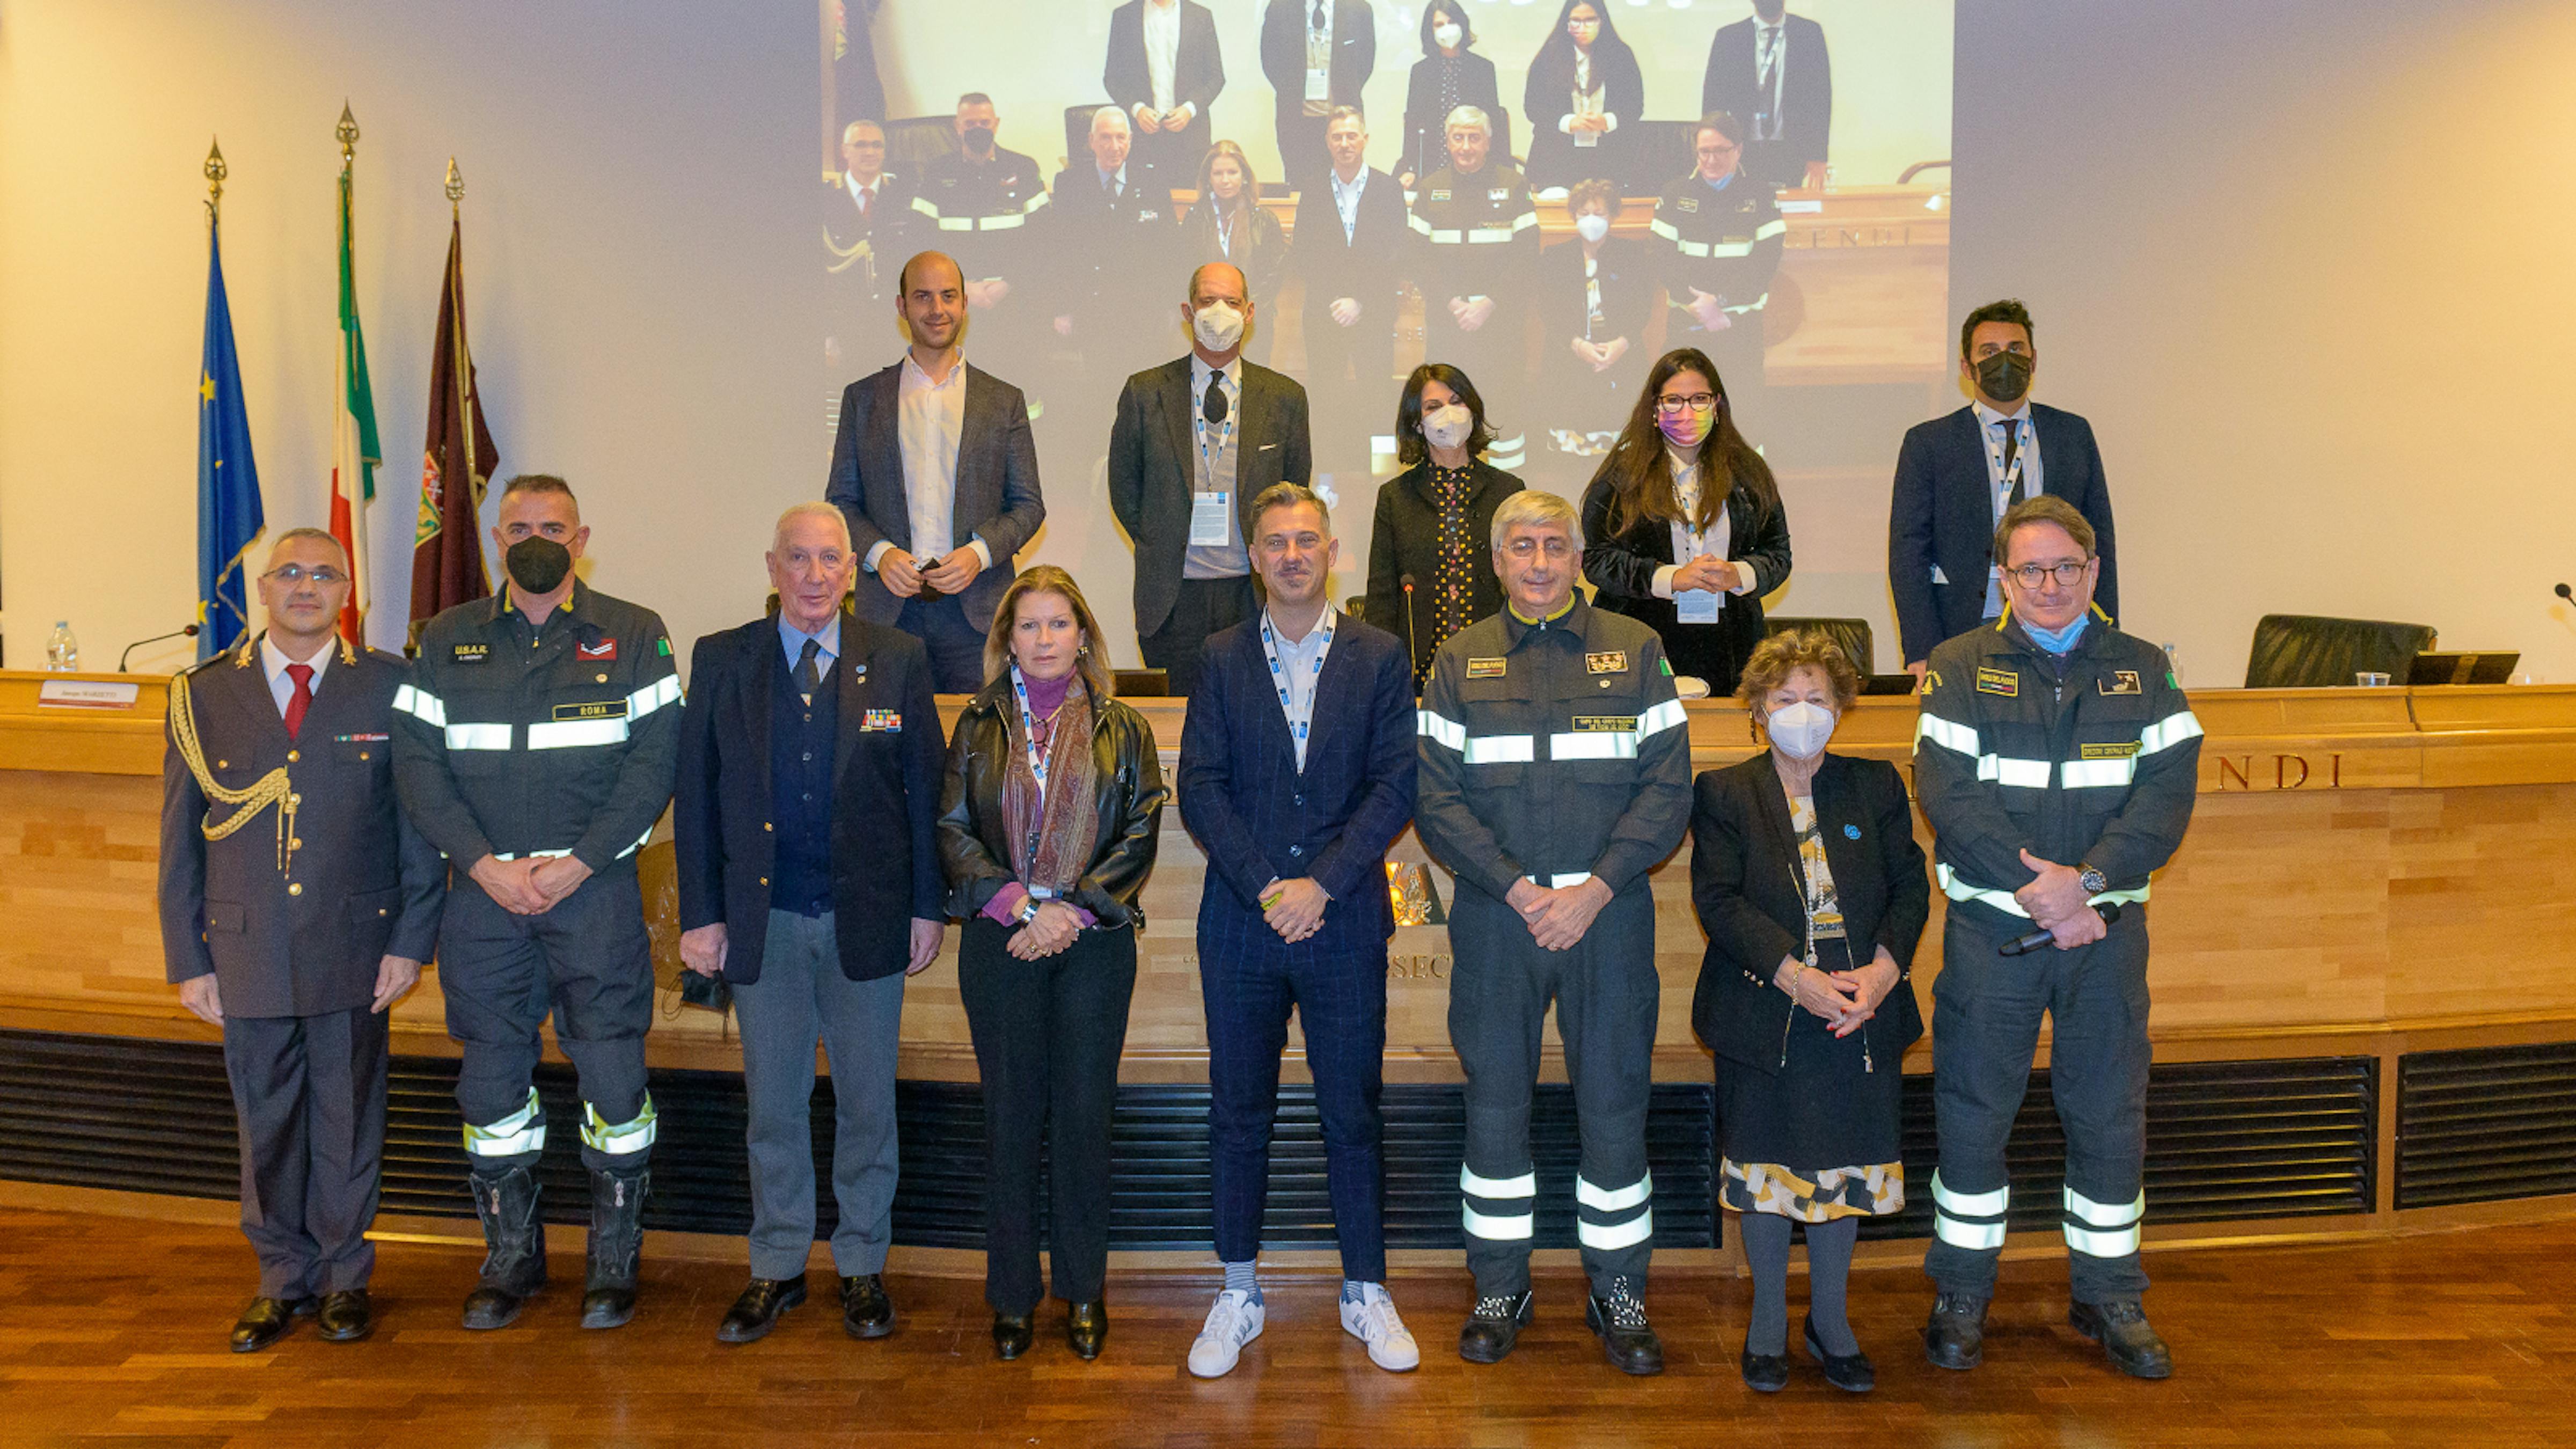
point(1052, 829)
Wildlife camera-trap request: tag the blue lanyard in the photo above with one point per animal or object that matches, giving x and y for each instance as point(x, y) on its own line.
point(1299, 722)
point(1029, 733)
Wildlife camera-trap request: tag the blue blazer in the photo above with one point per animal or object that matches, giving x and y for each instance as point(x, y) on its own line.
point(1942, 518)
point(1258, 819)
point(886, 769)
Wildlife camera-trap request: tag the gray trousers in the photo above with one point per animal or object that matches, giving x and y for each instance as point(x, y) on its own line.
point(309, 1096)
point(801, 999)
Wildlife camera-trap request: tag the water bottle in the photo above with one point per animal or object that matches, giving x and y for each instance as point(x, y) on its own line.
point(62, 651)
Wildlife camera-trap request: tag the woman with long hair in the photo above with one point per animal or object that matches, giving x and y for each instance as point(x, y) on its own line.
point(1584, 88)
point(1228, 224)
point(1449, 75)
point(1047, 828)
point(1435, 519)
point(1683, 527)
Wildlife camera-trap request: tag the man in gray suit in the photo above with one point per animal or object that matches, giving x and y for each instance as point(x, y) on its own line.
point(294, 934)
point(1196, 440)
point(937, 472)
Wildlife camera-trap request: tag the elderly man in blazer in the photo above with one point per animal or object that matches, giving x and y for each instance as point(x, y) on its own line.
point(1349, 244)
point(937, 473)
point(1297, 767)
point(1956, 475)
point(810, 757)
point(295, 933)
point(1196, 439)
point(1164, 70)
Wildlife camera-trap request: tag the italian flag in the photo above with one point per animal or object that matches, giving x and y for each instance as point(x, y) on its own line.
point(354, 449)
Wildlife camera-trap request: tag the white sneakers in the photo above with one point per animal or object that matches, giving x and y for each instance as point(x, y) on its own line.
point(1234, 1321)
point(1373, 1321)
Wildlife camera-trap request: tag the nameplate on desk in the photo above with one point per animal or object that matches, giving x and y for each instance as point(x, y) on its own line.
point(87, 694)
point(1802, 208)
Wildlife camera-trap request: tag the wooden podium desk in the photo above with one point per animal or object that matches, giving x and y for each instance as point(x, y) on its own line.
point(2370, 873)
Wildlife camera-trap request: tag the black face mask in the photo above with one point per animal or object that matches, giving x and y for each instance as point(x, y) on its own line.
point(537, 565)
point(2004, 376)
point(979, 139)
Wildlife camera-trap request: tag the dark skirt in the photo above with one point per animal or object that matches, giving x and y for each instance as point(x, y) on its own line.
point(1819, 1139)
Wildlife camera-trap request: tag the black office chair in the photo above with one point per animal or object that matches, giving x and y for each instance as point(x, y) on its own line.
point(1141, 683)
point(1662, 152)
point(1851, 634)
point(913, 142)
point(2306, 651)
point(1357, 607)
point(1077, 131)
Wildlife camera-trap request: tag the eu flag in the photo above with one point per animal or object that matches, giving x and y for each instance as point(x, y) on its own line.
point(228, 511)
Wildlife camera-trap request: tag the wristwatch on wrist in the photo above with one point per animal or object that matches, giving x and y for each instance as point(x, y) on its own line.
point(1028, 910)
point(2093, 881)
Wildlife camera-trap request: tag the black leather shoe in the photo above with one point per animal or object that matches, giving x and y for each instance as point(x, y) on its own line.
point(756, 1311)
point(1086, 1327)
point(1955, 1338)
point(1626, 1339)
point(1765, 1373)
point(266, 1320)
point(1012, 1333)
point(1852, 1373)
point(2121, 1328)
point(1494, 1326)
point(346, 1316)
point(866, 1312)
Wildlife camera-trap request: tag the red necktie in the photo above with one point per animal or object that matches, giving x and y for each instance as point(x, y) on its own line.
point(301, 700)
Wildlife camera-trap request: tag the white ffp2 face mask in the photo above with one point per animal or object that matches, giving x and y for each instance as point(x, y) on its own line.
point(1218, 326)
point(1592, 226)
point(1449, 426)
point(1446, 36)
point(1801, 729)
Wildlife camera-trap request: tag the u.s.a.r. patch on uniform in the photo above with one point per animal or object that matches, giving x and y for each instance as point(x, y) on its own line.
point(470, 653)
point(2006, 682)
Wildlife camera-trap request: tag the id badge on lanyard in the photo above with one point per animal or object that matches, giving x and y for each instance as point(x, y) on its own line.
point(1212, 512)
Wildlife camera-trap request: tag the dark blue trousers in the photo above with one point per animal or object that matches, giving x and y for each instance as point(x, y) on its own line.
point(1341, 1007)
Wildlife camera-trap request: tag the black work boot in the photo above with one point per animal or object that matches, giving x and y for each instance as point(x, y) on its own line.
point(1619, 1319)
point(1494, 1326)
point(2121, 1328)
point(1955, 1338)
point(514, 1245)
point(616, 1246)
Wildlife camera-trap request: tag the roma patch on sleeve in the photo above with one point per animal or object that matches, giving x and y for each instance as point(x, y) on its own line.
point(2006, 682)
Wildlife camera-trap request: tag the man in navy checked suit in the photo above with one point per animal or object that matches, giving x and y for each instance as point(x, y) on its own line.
point(1297, 765)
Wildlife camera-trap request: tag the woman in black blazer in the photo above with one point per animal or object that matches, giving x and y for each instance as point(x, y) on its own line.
point(1448, 76)
point(1669, 548)
point(1584, 99)
point(1435, 520)
point(1228, 224)
point(1048, 823)
point(1594, 293)
point(1807, 880)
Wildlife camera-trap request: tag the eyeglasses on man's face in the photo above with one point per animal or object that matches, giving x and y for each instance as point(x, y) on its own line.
point(293, 574)
point(2067, 574)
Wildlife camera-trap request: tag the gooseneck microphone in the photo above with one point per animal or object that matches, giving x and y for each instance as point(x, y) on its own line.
point(1412, 653)
point(189, 632)
point(2564, 594)
point(2108, 910)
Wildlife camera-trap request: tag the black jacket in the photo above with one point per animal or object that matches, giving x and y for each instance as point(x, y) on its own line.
point(363, 883)
point(885, 795)
point(1426, 125)
point(1198, 71)
point(997, 497)
point(1260, 251)
point(1622, 566)
point(1554, 158)
point(1283, 53)
point(1627, 273)
point(1941, 519)
point(1153, 465)
point(1749, 888)
point(1120, 248)
point(1405, 539)
point(1806, 97)
point(974, 843)
point(1370, 266)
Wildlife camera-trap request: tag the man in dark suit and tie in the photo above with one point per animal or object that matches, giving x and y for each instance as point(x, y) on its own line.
point(937, 472)
point(1956, 475)
point(1120, 232)
point(1350, 233)
point(1194, 440)
point(1297, 766)
point(1318, 55)
point(1772, 73)
point(295, 934)
point(810, 758)
point(865, 209)
point(1164, 70)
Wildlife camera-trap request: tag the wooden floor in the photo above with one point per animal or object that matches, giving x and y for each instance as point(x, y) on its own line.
point(111, 1333)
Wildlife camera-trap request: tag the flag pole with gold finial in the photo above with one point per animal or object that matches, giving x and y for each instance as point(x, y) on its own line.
point(216, 171)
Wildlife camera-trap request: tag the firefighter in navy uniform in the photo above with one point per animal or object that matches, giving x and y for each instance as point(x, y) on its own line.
point(536, 748)
point(1555, 772)
point(1480, 243)
point(2057, 762)
point(1722, 237)
point(983, 205)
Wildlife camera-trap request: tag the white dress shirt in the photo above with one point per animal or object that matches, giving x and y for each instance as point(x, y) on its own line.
point(1346, 200)
point(929, 418)
point(281, 686)
point(1712, 541)
point(1162, 49)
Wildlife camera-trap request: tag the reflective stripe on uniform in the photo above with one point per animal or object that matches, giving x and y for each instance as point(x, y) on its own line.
point(1499, 1188)
point(1478, 236)
point(2122, 1244)
point(665, 690)
point(1593, 745)
point(1415, 221)
point(478, 737)
point(2093, 774)
point(1756, 305)
point(521, 1131)
point(568, 734)
point(1444, 236)
point(1562, 880)
point(1970, 1204)
point(1659, 718)
point(429, 709)
point(1960, 890)
point(1964, 739)
point(618, 1139)
point(1501, 749)
point(1975, 1237)
point(1602, 1199)
point(2165, 733)
point(1496, 1228)
point(2022, 774)
point(1616, 1235)
point(2106, 1214)
point(1952, 1211)
point(1664, 229)
point(1769, 229)
point(1947, 733)
point(533, 854)
point(1436, 726)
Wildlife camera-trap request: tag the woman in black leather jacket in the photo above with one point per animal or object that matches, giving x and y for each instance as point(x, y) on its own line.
point(1047, 828)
